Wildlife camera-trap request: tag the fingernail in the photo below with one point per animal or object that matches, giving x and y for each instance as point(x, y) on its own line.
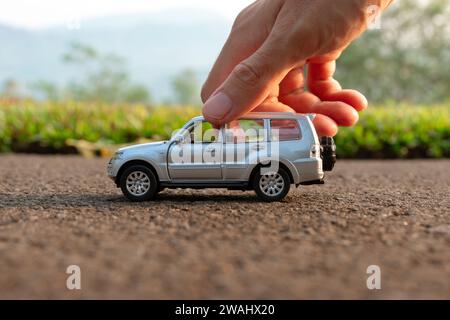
point(218, 106)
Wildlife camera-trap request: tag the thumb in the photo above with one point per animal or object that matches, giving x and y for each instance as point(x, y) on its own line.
point(247, 86)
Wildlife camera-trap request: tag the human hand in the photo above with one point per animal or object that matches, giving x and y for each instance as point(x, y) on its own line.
point(261, 66)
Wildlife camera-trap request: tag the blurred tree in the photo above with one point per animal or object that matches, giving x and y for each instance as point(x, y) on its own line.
point(186, 88)
point(407, 59)
point(104, 78)
point(47, 90)
point(11, 89)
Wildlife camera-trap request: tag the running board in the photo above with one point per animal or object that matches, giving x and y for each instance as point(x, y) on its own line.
point(310, 183)
point(206, 184)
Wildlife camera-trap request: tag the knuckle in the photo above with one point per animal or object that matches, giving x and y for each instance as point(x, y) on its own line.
point(205, 93)
point(241, 20)
point(245, 13)
point(247, 75)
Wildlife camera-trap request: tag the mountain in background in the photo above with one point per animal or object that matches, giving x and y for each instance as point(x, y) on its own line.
point(156, 46)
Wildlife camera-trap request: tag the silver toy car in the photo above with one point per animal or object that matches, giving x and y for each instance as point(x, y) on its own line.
point(266, 152)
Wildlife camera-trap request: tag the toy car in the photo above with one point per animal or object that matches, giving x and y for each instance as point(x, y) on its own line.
point(266, 152)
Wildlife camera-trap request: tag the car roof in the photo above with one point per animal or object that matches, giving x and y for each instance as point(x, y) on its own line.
point(269, 115)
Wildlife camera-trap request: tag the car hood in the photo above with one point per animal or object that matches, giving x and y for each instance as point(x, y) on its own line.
point(143, 146)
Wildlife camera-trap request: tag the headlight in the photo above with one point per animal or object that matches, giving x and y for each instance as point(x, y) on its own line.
point(118, 155)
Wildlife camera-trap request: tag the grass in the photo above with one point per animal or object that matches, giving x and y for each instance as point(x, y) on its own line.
point(399, 131)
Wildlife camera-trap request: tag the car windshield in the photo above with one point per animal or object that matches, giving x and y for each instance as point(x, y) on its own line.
point(201, 132)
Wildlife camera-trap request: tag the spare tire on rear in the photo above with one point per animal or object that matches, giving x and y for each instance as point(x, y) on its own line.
point(328, 153)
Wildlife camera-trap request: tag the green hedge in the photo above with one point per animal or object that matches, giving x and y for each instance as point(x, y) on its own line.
point(383, 132)
point(398, 131)
point(31, 127)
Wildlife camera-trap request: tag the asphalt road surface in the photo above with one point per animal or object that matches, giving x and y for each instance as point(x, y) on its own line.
point(318, 243)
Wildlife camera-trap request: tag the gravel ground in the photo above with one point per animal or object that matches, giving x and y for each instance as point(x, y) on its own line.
point(318, 243)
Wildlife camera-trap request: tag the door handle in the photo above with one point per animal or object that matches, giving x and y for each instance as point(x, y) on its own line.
point(258, 147)
point(211, 151)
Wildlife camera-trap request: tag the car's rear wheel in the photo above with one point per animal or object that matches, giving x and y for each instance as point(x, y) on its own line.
point(139, 183)
point(273, 186)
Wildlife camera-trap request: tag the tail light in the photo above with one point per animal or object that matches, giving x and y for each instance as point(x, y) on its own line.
point(315, 151)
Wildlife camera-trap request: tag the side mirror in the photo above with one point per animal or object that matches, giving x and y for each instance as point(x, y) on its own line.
point(179, 139)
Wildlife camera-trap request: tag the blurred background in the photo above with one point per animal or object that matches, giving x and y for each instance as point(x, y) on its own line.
point(86, 76)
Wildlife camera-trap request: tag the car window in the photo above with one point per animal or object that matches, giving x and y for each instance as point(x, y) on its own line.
point(284, 130)
point(204, 132)
point(241, 131)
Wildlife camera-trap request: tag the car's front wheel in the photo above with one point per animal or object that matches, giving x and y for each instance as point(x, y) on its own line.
point(139, 183)
point(272, 186)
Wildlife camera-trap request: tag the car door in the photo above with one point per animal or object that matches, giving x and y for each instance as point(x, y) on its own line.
point(199, 156)
point(244, 144)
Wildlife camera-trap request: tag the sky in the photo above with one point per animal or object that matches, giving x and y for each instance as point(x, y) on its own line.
point(37, 14)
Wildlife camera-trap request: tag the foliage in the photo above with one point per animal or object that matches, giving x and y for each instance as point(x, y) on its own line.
point(103, 78)
point(398, 132)
point(383, 132)
point(10, 89)
point(46, 127)
point(186, 88)
point(407, 59)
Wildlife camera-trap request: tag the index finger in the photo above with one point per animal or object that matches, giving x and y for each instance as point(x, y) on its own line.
point(249, 32)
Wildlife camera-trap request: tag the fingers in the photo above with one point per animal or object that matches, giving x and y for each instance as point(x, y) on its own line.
point(235, 50)
point(325, 126)
point(264, 57)
point(249, 32)
point(248, 85)
point(340, 112)
point(293, 82)
point(322, 84)
point(320, 79)
point(343, 114)
point(351, 97)
point(273, 107)
point(302, 102)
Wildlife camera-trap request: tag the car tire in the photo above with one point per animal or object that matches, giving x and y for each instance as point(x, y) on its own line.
point(139, 183)
point(271, 187)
